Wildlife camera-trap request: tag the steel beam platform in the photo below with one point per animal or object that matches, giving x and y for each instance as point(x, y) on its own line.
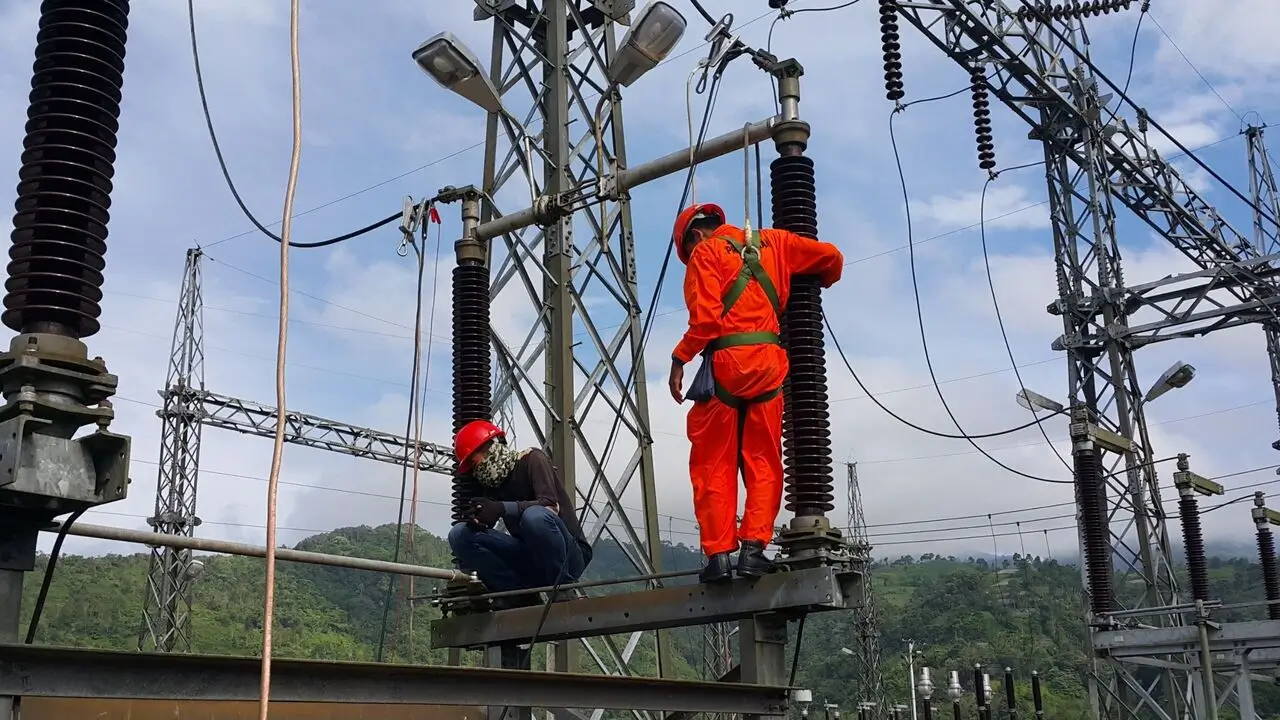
point(799, 591)
point(1226, 640)
point(35, 671)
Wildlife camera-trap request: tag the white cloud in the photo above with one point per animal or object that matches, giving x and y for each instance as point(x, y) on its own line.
point(370, 116)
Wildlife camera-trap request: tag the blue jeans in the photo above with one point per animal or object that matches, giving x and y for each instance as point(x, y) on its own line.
point(533, 557)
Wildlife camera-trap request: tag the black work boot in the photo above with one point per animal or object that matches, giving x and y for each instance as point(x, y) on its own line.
point(718, 569)
point(751, 560)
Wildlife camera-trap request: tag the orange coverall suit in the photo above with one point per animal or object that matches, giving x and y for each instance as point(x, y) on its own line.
point(749, 371)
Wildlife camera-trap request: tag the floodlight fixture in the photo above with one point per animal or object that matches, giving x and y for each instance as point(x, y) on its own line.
point(846, 651)
point(653, 35)
point(194, 570)
point(1036, 402)
point(456, 69)
point(924, 687)
point(1177, 376)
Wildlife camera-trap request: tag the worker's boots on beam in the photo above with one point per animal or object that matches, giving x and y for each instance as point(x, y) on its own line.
point(719, 568)
point(751, 560)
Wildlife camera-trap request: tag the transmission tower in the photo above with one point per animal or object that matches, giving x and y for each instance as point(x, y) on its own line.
point(866, 649)
point(576, 271)
point(166, 613)
point(1266, 237)
point(1034, 58)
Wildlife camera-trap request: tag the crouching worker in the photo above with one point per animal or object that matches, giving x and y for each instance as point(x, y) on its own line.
point(543, 545)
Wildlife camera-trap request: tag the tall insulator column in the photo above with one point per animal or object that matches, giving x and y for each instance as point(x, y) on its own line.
point(59, 239)
point(1091, 501)
point(1263, 518)
point(806, 420)
point(1192, 535)
point(472, 351)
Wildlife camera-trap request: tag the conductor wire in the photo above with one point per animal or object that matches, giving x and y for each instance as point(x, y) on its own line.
point(282, 339)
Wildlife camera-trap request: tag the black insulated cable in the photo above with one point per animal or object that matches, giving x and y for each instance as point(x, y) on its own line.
point(915, 288)
point(226, 174)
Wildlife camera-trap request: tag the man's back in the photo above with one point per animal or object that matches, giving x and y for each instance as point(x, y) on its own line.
point(715, 265)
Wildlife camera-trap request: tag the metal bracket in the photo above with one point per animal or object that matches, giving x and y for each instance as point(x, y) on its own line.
point(31, 671)
point(802, 591)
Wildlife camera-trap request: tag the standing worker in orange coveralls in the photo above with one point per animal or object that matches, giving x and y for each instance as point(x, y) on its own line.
point(735, 288)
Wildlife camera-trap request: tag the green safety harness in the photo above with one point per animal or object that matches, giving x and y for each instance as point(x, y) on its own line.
point(751, 271)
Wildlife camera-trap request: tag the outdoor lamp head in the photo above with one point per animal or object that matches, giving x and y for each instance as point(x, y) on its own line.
point(456, 69)
point(652, 36)
point(924, 688)
point(1181, 375)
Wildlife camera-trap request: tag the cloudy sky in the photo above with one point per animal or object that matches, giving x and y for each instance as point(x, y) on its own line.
point(376, 129)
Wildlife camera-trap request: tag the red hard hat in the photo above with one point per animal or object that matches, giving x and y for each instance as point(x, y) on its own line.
point(686, 218)
point(471, 438)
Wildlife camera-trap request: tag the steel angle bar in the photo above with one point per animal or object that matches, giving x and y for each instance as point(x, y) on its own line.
point(810, 590)
point(252, 418)
point(1228, 637)
point(157, 539)
point(31, 671)
point(646, 172)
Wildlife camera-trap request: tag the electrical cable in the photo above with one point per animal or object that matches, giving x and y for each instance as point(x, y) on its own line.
point(277, 447)
point(995, 302)
point(708, 110)
point(795, 654)
point(703, 12)
point(226, 174)
point(1193, 67)
point(949, 436)
point(915, 288)
point(37, 611)
point(1088, 62)
point(422, 408)
point(409, 423)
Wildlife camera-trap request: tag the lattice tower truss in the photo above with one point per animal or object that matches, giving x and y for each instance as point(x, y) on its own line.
point(1266, 238)
point(868, 687)
point(1035, 59)
point(577, 275)
point(166, 607)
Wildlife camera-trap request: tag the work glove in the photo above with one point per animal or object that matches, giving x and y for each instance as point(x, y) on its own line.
point(486, 512)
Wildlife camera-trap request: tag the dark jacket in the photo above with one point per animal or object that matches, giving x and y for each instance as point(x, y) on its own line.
point(536, 481)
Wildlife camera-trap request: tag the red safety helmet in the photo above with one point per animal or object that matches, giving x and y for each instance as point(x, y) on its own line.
point(473, 436)
point(697, 211)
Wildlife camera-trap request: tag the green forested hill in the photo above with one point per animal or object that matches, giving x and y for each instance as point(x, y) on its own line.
point(1022, 612)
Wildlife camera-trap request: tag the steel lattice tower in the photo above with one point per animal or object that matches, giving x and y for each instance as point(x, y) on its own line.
point(576, 269)
point(1035, 59)
point(1266, 238)
point(866, 649)
point(166, 614)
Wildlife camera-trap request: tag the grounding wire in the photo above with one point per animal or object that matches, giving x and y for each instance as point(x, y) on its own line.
point(226, 174)
point(393, 580)
point(915, 288)
point(37, 611)
point(708, 110)
point(995, 301)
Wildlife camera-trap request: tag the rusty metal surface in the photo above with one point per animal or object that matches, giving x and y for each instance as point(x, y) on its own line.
point(35, 671)
point(38, 708)
point(799, 591)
